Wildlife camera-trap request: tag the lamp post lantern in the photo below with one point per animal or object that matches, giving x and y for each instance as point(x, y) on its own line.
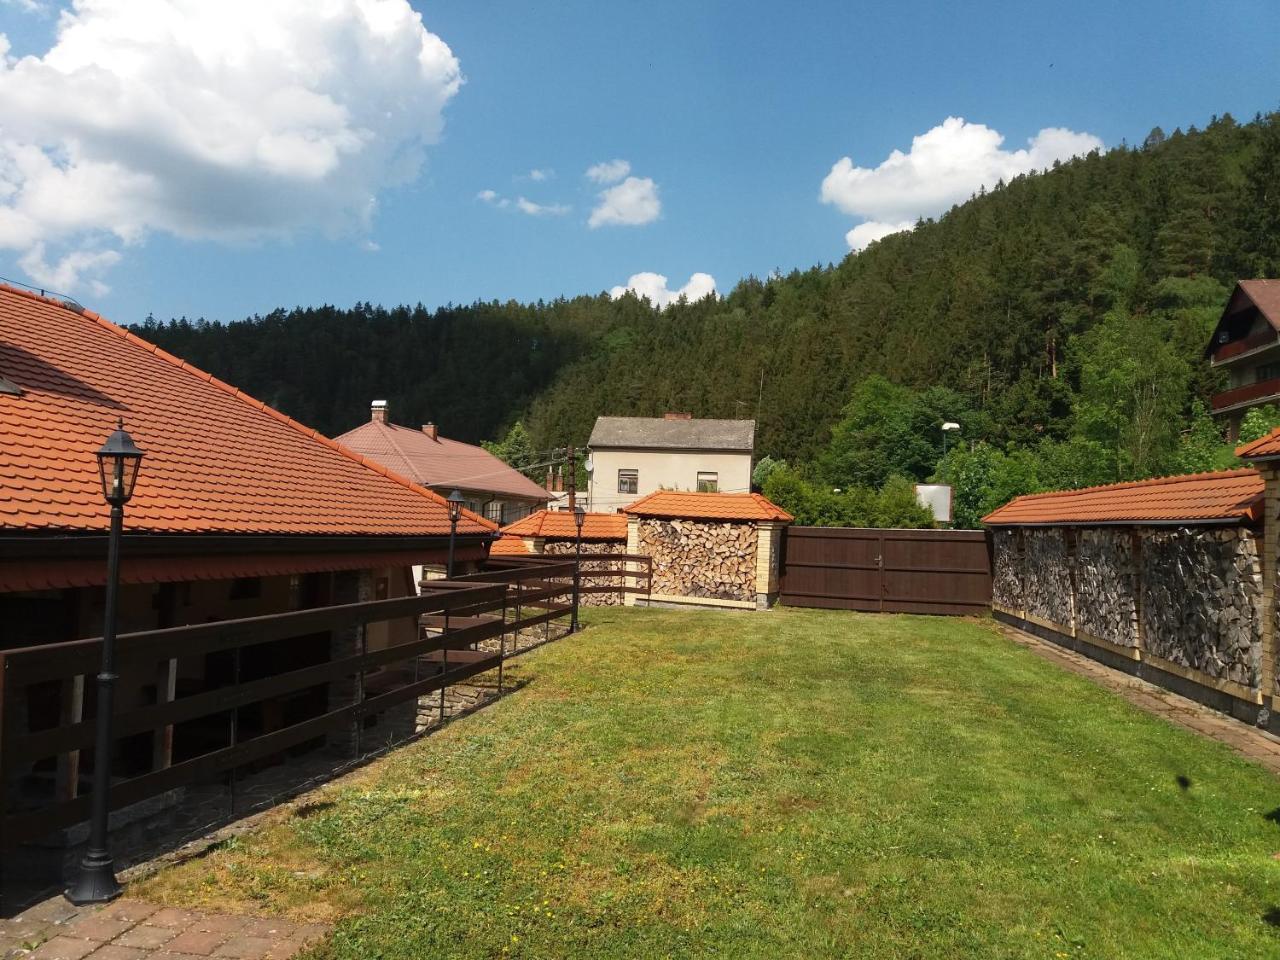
point(579, 515)
point(118, 463)
point(455, 501)
point(947, 427)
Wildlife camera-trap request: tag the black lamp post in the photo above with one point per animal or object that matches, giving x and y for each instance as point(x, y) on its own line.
point(118, 462)
point(455, 502)
point(578, 516)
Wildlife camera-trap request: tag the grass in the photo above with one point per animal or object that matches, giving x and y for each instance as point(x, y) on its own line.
point(792, 784)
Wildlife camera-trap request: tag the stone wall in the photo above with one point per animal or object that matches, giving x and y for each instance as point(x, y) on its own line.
point(1047, 590)
point(597, 547)
point(1006, 580)
point(701, 558)
point(1106, 602)
point(1202, 601)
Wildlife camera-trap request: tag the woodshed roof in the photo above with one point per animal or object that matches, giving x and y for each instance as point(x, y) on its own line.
point(1223, 496)
point(560, 525)
point(708, 506)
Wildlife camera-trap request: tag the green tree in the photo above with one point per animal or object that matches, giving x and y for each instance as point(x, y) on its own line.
point(1132, 389)
point(1258, 422)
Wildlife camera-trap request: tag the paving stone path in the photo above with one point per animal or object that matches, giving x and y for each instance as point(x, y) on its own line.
point(1248, 741)
point(135, 930)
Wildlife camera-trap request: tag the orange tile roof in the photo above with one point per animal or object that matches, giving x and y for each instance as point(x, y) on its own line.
point(1227, 495)
point(509, 546)
point(560, 525)
point(1264, 448)
point(708, 506)
point(217, 461)
point(439, 462)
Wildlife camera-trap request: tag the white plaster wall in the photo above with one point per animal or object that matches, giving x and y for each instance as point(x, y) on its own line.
point(662, 470)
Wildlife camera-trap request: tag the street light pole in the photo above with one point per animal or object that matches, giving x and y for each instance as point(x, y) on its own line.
point(579, 515)
point(455, 501)
point(118, 462)
point(947, 427)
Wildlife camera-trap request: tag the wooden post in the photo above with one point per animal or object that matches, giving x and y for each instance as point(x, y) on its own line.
point(1139, 590)
point(1270, 539)
point(71, 710)
point(166, 690)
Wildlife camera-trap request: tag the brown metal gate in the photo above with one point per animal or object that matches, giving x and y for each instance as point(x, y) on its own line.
point(887, 571)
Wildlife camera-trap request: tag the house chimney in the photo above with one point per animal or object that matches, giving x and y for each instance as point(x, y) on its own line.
point(430, 430)
point(551, 481)
point(677, 416)
point(378, 411)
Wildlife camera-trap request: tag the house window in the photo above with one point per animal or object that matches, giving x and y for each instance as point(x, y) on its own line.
point(1267, 371)
point(628, 481)
point(708, 482)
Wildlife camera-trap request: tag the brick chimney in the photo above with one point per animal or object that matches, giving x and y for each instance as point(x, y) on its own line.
point(430, 430)
point(378, 411)
point(677, 416)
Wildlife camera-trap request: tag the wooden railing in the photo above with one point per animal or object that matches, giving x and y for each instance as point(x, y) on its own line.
point(1247, 393)
point(456, 617)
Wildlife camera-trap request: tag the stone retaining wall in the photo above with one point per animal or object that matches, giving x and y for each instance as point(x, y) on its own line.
point(701, 558)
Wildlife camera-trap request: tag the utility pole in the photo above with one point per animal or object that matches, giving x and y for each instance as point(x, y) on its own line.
point(573, 478)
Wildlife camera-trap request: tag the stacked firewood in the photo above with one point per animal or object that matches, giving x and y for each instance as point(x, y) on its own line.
point(700, 558)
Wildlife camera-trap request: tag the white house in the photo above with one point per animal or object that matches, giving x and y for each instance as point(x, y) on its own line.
point(632, 457)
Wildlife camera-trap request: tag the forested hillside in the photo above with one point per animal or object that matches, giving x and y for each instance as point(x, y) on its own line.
point(1059, 318)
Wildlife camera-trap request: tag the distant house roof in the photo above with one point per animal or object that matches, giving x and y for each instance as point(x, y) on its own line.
point(1224, 496)
point(1248, 295)
point(661, 433)
point(216, 460)
point(439, 462)
point(560, 525)
point(708, 506)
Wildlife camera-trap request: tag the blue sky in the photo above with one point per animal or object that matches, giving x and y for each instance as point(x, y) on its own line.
point(735, 111)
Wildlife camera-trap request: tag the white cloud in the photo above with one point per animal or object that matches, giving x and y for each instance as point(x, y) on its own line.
point(945, 166)
point(611, 171)
point(541, 209)
point(540, 175)
point(492, 198)
point(654, 286)
point(232, 121)
point(866, 233)
point(29, 6)
point(631, 203)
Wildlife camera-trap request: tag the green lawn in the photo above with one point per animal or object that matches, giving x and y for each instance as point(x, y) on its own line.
point(790, 784)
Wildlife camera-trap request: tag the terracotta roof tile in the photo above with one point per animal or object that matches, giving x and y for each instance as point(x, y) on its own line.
point(217, 461)
point(560, 525)
point(1264, 448)
point(708, 506)
point(509, 546)
point(439, 462)
point(1227, 495)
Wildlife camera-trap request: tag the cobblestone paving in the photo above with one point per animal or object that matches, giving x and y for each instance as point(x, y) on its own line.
point(1248, 741)
point(135, 930)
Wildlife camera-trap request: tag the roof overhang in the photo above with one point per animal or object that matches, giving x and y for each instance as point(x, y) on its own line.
point(59, 562)
point(1214, 521)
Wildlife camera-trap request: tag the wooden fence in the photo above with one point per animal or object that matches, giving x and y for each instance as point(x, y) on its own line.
point(459, 620)
point(887, 571)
